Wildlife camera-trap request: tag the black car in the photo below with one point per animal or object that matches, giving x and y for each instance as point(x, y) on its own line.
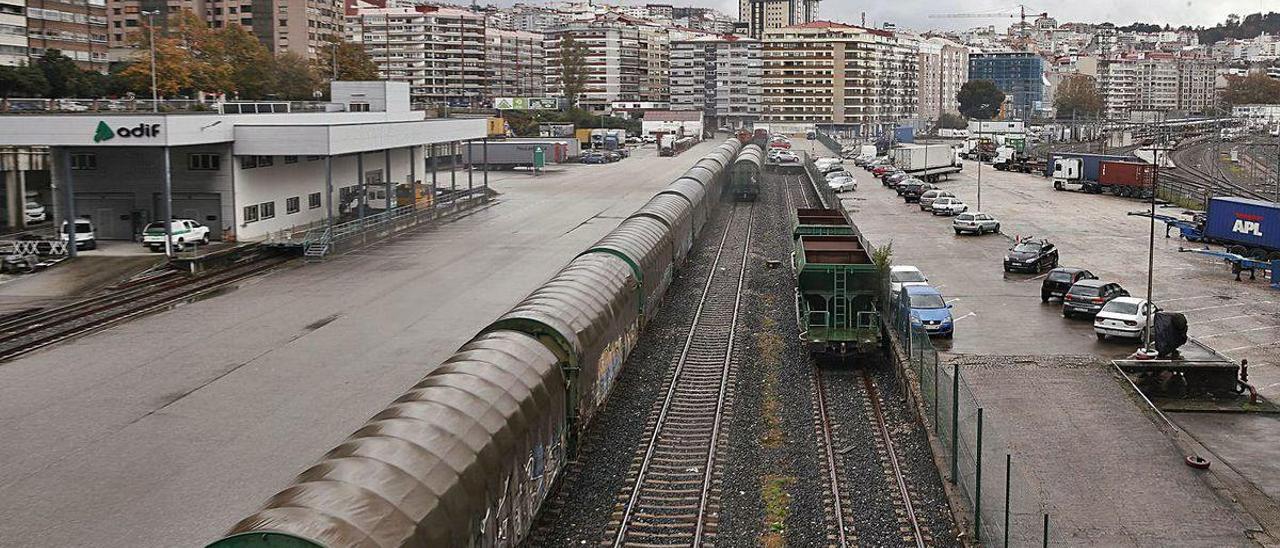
point(1089, 296)
point(913, 189)
point(1060, 280)
point(1031, 256)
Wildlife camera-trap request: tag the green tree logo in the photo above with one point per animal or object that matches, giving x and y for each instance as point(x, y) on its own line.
point(103, 133)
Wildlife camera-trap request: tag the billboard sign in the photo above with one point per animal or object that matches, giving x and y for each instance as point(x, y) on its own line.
point(526, 103)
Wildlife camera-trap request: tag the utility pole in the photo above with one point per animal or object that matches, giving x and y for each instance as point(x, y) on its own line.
point(151, 32)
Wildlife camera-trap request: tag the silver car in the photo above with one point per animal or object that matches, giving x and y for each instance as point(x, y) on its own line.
point(926, 199)
point(975, 222)
point(948, 206)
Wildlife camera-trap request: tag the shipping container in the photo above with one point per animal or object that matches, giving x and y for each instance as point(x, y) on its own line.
point(1136, 174)
point(584, 137)
point(497, 127)
point(510, 153)
point(1253, 224)
point(904, 134)
point(1089, 162)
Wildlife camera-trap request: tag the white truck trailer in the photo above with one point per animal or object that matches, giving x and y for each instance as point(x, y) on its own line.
point(928, 162)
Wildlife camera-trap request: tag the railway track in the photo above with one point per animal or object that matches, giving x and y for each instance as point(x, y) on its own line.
point(672, 493)
point(22, 334)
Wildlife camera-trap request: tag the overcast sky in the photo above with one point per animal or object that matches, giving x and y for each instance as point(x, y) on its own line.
point(914, 14)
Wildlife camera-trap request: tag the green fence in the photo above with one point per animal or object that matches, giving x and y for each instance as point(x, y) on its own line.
point(1006, 509)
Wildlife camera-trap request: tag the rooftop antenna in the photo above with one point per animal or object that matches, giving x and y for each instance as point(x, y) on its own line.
point(864, 19)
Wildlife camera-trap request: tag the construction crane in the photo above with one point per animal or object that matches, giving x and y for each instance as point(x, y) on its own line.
point(1021, 14)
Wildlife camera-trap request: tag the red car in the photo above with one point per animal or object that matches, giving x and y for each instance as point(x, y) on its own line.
point(780, 144)
point(879, 171)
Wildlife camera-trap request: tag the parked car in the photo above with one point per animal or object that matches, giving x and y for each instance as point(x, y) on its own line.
point(912, 189)
point(1123, 317)
point(35, 213)
point(1089, 296)
point(593, 158)
point(926, 199)
point(787, 157)
point(613, 155)
point(86, 234)
point(185, 231)
point(893, 179)
point(904, 275)
point(1031, 256)
point(834, 174)
point(881, 170)
point(976, 222)
point(948, 206)
point(829, 168)
point(928, 310)
point(780, 143)
point(1060, 279)
point(649, 139)
point(843, 184)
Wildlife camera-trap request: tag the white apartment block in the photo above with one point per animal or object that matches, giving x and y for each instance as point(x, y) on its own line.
point(858, 79)
point(944, 68)
point(440, 51)
point(1159, 82)
point(627, 60)
point(516, 63)
point(1155, 84)
point(720, 76)
point(13, 32)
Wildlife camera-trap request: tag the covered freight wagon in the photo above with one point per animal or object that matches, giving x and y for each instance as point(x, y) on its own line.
point(745, 176)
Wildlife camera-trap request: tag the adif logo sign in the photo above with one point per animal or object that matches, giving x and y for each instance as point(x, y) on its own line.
point(1248, 224)
point(105, 133)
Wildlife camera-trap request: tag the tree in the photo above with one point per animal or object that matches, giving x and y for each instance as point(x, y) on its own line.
point(573, 68)
point(295, 78)
point(174, 64)
point(1077, 95)
point(354, 64)
point(61, 72)
point(1256, 88)
point(952, 121)
point(22, 81)
point(980, 99)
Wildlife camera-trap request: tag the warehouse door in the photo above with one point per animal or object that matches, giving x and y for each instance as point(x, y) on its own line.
point(112, 214)
point(202, 207)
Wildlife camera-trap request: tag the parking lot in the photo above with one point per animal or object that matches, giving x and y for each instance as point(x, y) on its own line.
point(1054, 416)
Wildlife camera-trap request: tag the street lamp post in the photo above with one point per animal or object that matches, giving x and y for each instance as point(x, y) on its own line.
point(151, 39)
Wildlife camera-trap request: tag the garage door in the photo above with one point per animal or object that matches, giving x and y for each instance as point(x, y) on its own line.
point(202, 207)
point(112, 214)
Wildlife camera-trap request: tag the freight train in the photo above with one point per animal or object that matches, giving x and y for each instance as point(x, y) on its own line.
point(469, 455)
point(837, 286)
point(744, 180)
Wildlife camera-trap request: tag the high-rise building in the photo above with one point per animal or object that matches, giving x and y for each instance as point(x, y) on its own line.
point(76, 28)
point(944, 68)
point(859, 80)
point(1156, 81)
point(625, 60)
point(305, 27)
point(13, 32)
point(440, 51)
point(1020, 75)
point(515, 63)
point(1117, 83)
point(775, 14)
point(719, 75)
point(1196, 93)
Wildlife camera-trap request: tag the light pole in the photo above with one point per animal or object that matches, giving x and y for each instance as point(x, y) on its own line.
point(985, 106)
point(1148, 350)
point(151, 32)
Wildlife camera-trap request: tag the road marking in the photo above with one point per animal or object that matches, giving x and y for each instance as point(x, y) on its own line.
point(1268, 343)
point(1238, 331)
point(954, 320)
point(1218, 306)
point(1227, 318)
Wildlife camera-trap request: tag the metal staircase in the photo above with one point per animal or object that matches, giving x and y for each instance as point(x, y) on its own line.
point(316, 244)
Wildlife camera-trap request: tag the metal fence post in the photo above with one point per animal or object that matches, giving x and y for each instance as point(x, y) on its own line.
point(955, 423)
point(977, 484)
point(1045, 543)
point(935, 394)
point(1008, 472)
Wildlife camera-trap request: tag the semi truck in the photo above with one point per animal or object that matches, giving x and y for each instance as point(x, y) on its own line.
point(1247, 227)
point(1068, 169)
point(1012, 159)
point(928, 162)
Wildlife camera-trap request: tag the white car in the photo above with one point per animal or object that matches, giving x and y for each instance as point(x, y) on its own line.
point(842, 184)
point(975, 222)
point(905, 275)
point(1122, 317)
point(185, 231)
point(948, 206)
point(35, 213)
point(86, 234)
point(785, 157)
point(926, 199)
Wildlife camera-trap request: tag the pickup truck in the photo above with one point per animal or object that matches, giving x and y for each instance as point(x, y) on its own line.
point(185, 231)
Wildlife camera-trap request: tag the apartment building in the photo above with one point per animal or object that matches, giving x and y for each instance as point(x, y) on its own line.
point(1117, 82)
point(1196, 92)
point(527, 18)
point(305, 27)
point(626, 60)
point(515, 63)
point(775, 14)
point(1156, 81)
point(440, 51)
point(944, 68)
point(13, 32)
point(76, 28)
point(859, 80)
point(719, 75)
point(1019, 74)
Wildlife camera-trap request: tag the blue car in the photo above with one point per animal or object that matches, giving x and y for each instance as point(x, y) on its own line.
point(928, 310)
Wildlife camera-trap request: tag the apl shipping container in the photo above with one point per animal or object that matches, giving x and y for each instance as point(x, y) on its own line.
point(1241, 221)
point(1125, 174)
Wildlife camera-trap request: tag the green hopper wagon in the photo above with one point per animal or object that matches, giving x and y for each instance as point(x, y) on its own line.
point(819, 222)
point(837, 286)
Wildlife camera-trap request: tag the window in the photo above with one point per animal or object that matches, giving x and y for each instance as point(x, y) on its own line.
point(359, 107)
point(84, 161)
point(248, 162)
point(265, 161)
point(250, 213)
point(204, 162)
point(290, 159)
point(314, 158)
point(267, 210)
point(291, 205)
point(313, 200)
